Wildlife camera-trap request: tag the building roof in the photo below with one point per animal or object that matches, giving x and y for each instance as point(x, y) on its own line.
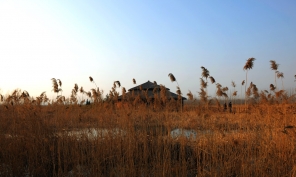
point(148, 87)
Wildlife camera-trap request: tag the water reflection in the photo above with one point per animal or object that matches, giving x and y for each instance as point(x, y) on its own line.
point(190, 134)
point(93, 133)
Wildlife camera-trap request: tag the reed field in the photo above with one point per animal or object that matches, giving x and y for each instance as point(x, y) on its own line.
point(135, 136)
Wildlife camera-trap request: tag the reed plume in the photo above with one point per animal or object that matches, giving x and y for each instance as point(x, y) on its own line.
point(225, 95)
point(272, 87)
point(280, 75)
point(203, 95)
point(96, 95)
point(274, 66)
point(243, 82)
point(172, 77)
point(60, 82)
point(118, 84)
point(60, 85)
point(255, 91)
point(249, 91)
point(92, 80)
point(100, 92)
point(190, 95)
point(73, 98)
point(25, 94)
point(61, 99)
point(218, 85)
point(233, 84)
point(178, 91)
point(76, 88)
point(123, 90)
point(55, 85)
point(249, 65)
point(212, 80)
point(42, 94)
point(89, 94)
point(203, 83)
point(81, 90)
point(41, 99)
point(205, 72)
point(25, 97)
point(219, 91)
point(225, 89)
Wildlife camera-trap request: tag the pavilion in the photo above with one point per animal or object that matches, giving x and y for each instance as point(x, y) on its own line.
point(149, 89)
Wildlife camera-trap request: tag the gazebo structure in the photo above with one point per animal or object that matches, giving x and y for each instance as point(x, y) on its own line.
point(150, 90)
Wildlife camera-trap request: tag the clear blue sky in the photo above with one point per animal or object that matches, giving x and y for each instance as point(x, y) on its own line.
point(145, 40)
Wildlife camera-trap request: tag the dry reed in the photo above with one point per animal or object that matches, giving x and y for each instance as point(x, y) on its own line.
point(40, 141)
point(135, 138)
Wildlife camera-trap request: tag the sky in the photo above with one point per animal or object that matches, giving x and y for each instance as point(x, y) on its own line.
point(146, 40)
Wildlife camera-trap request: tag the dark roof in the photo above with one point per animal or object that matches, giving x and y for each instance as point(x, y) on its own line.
point(148, 87)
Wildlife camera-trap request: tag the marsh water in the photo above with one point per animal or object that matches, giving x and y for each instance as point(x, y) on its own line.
point(93, 133)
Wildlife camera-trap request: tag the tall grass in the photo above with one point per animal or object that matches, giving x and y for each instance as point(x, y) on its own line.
point(35, 140)
point(64, 137)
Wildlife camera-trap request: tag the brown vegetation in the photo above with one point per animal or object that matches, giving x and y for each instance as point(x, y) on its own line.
point(64, 137)
point(35, 139)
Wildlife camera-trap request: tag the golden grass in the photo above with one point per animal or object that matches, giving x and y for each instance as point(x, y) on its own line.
point(133, 137)
point(251, 141)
